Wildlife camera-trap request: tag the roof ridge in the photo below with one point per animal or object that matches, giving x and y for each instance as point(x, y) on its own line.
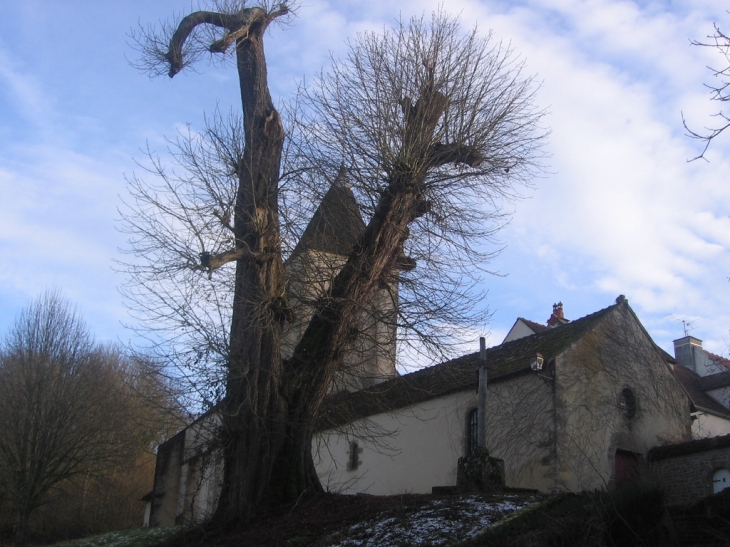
point(570, 325)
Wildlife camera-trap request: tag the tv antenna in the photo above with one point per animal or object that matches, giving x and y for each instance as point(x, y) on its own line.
point(687, 325)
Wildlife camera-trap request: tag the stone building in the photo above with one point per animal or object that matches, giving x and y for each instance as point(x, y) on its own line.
point(573, 407)
point(317, 258)
point(705, 378)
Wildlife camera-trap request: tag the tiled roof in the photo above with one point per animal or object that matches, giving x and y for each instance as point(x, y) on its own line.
point(718, 359)
point(536, 327)
point(714, 381)
point(690, 447)
point(503, 362)
point(690, 382)
point(337, 224)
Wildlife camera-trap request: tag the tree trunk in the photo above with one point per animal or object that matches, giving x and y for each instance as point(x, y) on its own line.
point(253, 411)
point(318, 355)
point(21, 525)
point(269, 409)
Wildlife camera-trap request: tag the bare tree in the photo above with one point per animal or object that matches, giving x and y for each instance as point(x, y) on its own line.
point(718, 91)
point(54, 388)
point(108, 496)
point(432, 125)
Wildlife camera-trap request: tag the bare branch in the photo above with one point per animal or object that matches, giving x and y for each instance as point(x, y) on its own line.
point(55, 383)
point(718, 92)
point(174, 55)
point(170, 46)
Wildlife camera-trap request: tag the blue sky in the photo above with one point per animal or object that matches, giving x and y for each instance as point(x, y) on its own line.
point(621, 211)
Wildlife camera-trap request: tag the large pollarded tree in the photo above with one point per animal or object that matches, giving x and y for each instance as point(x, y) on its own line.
point(434, 126)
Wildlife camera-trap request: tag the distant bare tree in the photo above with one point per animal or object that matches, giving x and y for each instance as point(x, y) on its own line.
point(107, 496)
point(434, 127)
point(59, 406)
point(719, 91)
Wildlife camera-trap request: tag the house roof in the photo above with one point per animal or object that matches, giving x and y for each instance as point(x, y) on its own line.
point(718, 359)
point(714, 381)
point(536, 327)
point(336, 224)
point(690, 447)
point(504, 361)
point(692, 384)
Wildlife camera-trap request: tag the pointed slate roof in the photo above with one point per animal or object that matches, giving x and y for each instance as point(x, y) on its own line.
point(503, 362)
point(337, 224)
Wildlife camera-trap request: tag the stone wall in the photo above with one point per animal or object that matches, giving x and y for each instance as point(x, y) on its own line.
point(685, 471)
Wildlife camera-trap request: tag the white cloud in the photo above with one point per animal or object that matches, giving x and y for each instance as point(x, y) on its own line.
point(23, 89)
point(623, 212)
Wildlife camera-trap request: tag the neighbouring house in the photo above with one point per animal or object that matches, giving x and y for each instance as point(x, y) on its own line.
point(524, 327)
point(705, 378)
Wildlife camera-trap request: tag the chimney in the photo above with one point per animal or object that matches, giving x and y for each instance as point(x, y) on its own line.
point(557, 318)
point(684, 351)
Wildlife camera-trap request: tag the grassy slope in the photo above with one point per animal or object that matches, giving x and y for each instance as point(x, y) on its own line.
point(140, 537)
point(629, 517)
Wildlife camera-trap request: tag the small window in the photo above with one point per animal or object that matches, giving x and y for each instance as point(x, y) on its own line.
point(353, 461)
point(627, 403)
point(720, 480)
point(472, 432)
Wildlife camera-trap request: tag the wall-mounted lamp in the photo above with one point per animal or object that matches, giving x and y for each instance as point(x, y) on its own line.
point(537, 361)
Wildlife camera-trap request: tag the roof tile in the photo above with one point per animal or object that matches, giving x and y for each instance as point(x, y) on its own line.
point(691, 383)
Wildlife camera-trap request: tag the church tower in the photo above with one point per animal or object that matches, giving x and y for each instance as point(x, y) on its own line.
point(318, 257)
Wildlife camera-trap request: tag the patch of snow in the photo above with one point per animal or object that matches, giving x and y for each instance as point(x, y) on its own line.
point(434, 524)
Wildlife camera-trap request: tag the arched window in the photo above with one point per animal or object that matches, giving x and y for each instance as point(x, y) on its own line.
point(472, 432)
point(627, 402)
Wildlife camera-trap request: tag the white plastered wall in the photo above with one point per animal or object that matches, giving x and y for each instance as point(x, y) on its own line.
point(408, 451)
point(518, 330)
point(417, 448)
point(706, 425)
